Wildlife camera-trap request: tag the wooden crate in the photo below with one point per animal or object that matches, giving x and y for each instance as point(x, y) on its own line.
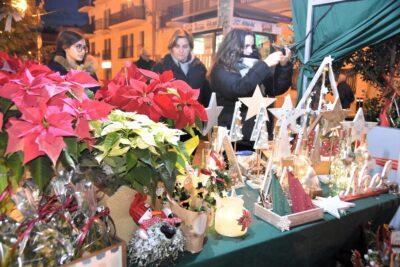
point(114, 255)
point(286, 222)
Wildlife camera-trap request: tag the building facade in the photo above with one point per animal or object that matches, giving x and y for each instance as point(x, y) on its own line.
point(119, 28)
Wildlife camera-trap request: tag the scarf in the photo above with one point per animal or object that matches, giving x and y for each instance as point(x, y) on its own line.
point(88, 65)
point(183, 65)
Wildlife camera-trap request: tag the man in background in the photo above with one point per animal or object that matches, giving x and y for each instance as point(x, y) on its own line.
point(144, 62)
point(346, 94)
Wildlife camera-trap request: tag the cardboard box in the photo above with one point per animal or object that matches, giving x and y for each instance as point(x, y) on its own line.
point(114, 255)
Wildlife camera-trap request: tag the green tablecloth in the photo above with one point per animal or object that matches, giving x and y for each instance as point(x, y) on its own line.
point(314, 244)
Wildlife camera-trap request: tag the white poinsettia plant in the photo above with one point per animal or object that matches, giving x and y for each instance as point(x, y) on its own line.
point(139, 150)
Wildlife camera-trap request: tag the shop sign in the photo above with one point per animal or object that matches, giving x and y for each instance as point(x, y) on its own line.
point(202, 25)
point(256, 25)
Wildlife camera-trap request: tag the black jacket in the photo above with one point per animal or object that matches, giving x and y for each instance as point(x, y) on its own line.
point(229, 86)
point(196, 76)
point(57, 67)
point(145, 64)
point(346, 95)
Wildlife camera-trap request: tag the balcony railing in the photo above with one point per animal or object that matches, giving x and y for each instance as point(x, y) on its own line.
point(106, 55)
point(88, 28)
point(246, 1)
point(125, 52)
point(101, 24)
point(134, 12)
point(191, 7)
point(83, 3)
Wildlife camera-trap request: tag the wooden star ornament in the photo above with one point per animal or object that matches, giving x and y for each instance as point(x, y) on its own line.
point(287, 115)
point(333, 117)
point(255, 102)
point(333, 205)
point(213, 111)
point(358, 126)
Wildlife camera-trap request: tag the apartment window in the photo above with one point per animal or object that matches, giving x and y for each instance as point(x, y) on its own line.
point(107, 74)
point(131, 44)
point(141, 40)
point(107, 49)
point(107, 14)
point(126, 49)
point(92, 48)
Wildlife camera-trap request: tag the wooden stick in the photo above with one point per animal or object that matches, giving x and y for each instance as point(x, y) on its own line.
point(258, 154)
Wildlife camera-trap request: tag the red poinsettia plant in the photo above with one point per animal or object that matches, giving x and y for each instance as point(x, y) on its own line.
point(158, 96)
point(42, 112)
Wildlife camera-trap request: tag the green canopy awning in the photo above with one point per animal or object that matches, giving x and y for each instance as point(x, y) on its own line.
point(345, 28)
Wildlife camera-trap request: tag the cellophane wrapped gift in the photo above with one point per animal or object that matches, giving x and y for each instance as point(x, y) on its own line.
point(57, 226)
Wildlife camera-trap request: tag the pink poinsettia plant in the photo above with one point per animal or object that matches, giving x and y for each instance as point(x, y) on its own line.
point(159, 96)
point(41, 108)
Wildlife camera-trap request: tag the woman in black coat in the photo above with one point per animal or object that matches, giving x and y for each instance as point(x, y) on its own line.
point(238, 70)
point(71, 53)
point(184, 65)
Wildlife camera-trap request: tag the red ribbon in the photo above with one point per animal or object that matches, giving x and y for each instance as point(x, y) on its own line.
point(45, 213)
point(382, 162)
point(88, 224)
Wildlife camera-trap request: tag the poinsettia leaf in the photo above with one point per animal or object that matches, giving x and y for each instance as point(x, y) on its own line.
point(110, 141)
point(66, 160)
point(143, 155)
point(191, 144)
point(131, 160)
point(168, 179)
point(118, 151)
point(150, 74)
point(5, 104)
point(143, 175)
point(3, 175)
point(72, 147)
point(15, 167)
point(3, 143)
point(111, 128)
point(89, 93)
point(41, 171)
point(190, 130)
point(169, 158)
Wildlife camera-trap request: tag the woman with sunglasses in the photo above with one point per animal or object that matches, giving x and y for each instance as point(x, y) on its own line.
point(238, 69)
point(71, 53)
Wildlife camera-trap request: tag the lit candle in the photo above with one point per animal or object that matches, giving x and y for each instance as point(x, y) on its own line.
point(229, 211)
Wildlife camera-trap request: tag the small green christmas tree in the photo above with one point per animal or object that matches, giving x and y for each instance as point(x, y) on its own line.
point(280, 204)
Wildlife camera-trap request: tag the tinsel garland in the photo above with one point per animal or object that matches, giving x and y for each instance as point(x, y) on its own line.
point(155, 250)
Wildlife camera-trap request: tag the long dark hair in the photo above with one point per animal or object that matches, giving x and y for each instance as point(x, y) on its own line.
point(231, 48)
point(65, 39)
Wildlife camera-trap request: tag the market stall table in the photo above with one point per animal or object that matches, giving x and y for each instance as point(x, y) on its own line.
point(314, 244)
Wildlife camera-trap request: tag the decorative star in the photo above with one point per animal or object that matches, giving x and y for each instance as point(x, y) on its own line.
point(282, 143)
point(333, 205)
point(287, 115)
point(284, 224)
point(333, 117)
point(255, 102)
point(213, 112)
point(358, 126)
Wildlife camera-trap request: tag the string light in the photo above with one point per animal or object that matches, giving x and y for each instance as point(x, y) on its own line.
point(20, 5)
